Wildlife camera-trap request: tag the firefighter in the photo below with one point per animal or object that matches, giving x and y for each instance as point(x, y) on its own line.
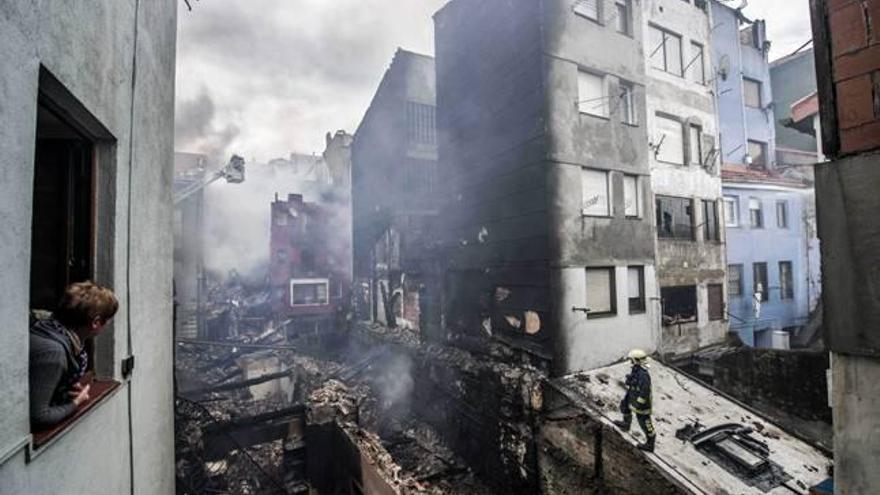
point(638, 399)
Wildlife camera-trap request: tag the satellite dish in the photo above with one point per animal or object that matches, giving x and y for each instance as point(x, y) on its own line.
point(724, 67)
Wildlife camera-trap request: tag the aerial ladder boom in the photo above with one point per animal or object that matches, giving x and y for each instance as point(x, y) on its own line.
point(233, 172)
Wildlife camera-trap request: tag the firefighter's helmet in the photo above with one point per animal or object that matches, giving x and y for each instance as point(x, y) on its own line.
point(637, 356)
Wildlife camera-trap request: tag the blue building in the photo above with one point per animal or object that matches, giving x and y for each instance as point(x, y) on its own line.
point(769, 207)
point(768, 253)
point(743, 88)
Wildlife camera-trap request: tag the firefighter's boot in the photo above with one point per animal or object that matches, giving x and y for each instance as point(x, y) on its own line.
point(624, 424)
point(648, 446)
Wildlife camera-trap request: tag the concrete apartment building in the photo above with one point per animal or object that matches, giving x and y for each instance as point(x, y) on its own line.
point(846, 43)
point(793, 80)
point(190, 171)
point(682, 130)
point(87, 110)
point(548, 219)
point(394, 190)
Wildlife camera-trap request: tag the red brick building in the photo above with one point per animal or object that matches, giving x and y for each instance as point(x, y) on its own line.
point(309, 270)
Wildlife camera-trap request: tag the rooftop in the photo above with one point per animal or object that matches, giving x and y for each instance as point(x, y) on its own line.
point(740, 174)
point(680, 402)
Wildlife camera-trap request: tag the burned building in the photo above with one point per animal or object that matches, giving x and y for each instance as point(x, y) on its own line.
point(87, 141)
point(685, 174)
point(548, 214)
point(394, 193)
point(309, 273)
point(846, 39)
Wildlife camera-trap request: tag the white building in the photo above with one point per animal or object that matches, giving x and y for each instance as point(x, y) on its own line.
point(86, 100)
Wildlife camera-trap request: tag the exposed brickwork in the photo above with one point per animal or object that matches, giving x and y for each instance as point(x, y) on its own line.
point(854, 32)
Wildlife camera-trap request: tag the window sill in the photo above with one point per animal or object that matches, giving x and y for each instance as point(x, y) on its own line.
point(630, 124)
point(580, 13)
point(590, 215)
point(637, 311)
point(594, 115)
point(599, 316)
point(100, 391)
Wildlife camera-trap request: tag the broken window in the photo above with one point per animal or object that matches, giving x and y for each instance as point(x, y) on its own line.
point(710, 221)
point(786, 283)
point(635, 281)
point(752, 93)
point(669, 140)
point(627, 104)
point(587, 8)
point(665, 51)
point(309, 292)
point(675, 218)
point(716, 301)
point(597, 198)
point(758, 153)
point(679, 304)
point(632, 196)
point(759, 276)
point(601, 292)
point(592, 94)
point(735, 280)
point(756, 214)
point(697, 63)
point(782, 214)
point(731, 211)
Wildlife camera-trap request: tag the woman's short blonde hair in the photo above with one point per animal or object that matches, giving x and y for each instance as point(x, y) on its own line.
point(83, 302)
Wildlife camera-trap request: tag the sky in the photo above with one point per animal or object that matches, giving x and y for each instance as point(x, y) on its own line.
point(266, 78)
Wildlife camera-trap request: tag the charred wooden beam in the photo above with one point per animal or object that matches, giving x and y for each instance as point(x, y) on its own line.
point(236, 385)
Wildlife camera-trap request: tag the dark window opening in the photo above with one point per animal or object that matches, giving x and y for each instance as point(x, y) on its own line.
point(782, 214)
point(675, 218)
point(760, 281)
point(679, 304)
point(636, 289)
point(710, 221)
point(420, 123)
point(786, 282)
point(716, 302)
point(735, 280)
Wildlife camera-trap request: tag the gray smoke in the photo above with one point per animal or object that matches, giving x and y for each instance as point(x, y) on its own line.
point(197, 129)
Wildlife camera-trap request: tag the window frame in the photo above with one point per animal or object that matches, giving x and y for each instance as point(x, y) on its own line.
point(662, 50)
point(608, 198)
point(640, 306)
point(626, 6)
point(695, 156)
point(698, 62)
point(659, 223)
point(638, 196)
point(612, 288)
point(718, 315)
point(660, 117)
point(585, 105)
point(734, 201)
point(759, 87)
point(667, 320)
point(706, 224)
point(763, 147)
point(310, 281)
point(760, 217)
point(580, 9)
point(782, 207)
point(786, 285)
point(765, 293)
point(627, 105)
point(739, 269)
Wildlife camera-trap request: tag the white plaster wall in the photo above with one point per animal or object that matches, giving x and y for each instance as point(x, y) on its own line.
point(88, 46)
point(597, 342)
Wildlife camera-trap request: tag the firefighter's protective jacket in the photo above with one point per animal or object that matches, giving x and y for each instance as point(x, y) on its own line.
point(638, 390)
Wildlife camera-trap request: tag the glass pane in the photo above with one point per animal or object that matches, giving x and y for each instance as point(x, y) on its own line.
point(592, 98)
point(657, 53)
point(622, 18)
point(634, 282)
point(696, 154)
point(752, 93)
point(631, 195)
point(589, 8)
point(599, 290)
point(595, 191)
point(673, 54)
point(670, 131)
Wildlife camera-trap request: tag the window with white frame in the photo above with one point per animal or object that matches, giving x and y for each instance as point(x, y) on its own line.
point(596, 193)
point(665, 51)
point(592, 94)
point(632, 196)
point(587, 8)
point(669, 140)
point(731, 211)
point(756, 214)
point(635, 282)
point(735, 280)
point(627, 104)
point(695, 144)
point(697, 69)
point(309, 292)
point(601, 292)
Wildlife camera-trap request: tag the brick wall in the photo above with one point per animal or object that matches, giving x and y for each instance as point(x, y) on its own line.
point(853, 33)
